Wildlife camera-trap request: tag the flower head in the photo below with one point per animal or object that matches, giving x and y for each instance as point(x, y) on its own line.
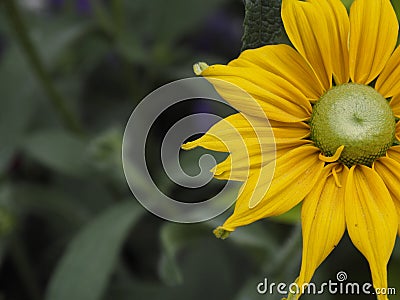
point(332, 102)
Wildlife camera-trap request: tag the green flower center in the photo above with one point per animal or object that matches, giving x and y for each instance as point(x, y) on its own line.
point(354, 116)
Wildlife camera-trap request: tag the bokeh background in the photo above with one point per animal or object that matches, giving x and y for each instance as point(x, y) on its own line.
point(71, 73)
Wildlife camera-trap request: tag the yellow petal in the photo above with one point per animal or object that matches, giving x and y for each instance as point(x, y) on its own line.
point(338, 23)
point(285, 62)
point(288, 136)
point(297, 130)
point(239, 171)
point(235, 133)
point(371, 220)
point(394, 153)
point(339, 29)
point(295, 175)
point(323, 220)
point(388, 83)
point(249, 140)
point(395, 105)
point(252, 142)
point(373, 37)
point(319, 31)
point(278, 98)
point(398, 131)
point(389, 170)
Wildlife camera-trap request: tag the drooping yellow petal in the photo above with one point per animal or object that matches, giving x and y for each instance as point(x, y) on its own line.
point(233, 133)
point(373, 37)
point(388, 83)
point(285, 62)
point(288, 136)
point(394, 153)
point(226, 170)
point(249, 140)
point(371, 220)
point(295, 175)
point(308, 33)
point(323, 220)
point(278, 98)
point(395, 105)
point(252, 142)
point(389, 170)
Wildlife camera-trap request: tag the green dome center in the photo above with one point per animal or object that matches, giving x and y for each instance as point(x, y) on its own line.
point(357, 117)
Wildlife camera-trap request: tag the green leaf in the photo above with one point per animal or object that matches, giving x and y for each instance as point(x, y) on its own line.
point(58, 150)
point(50, 203)
point(262, 23)
point(89, 260)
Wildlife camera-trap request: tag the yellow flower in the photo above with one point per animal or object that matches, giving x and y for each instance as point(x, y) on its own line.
point(332, 104)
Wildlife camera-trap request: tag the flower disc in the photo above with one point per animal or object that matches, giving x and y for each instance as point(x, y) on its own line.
point(357, 117)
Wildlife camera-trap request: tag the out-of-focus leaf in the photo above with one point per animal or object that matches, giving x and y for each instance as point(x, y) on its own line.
point(51, 203)
point(88, 262)
point(104, 152)
point(262, 23)
point(55, 39)
point(396, 6)
point(16, 104)
point(130, 47)
point(58, 150)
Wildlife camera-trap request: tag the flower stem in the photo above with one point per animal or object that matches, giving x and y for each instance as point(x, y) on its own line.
point(288, 252)
point(59, 103)
point(24, 268)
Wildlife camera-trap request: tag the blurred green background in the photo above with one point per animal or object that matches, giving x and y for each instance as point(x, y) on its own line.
point(71, 73)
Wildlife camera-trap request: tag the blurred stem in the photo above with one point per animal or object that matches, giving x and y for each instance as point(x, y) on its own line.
point(292, 245)
point(118, 15)
point(23, 267)
point(59, 103)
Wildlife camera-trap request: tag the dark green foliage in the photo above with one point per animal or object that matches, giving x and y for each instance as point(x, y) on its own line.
point(69, 226)
point(262, 23)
